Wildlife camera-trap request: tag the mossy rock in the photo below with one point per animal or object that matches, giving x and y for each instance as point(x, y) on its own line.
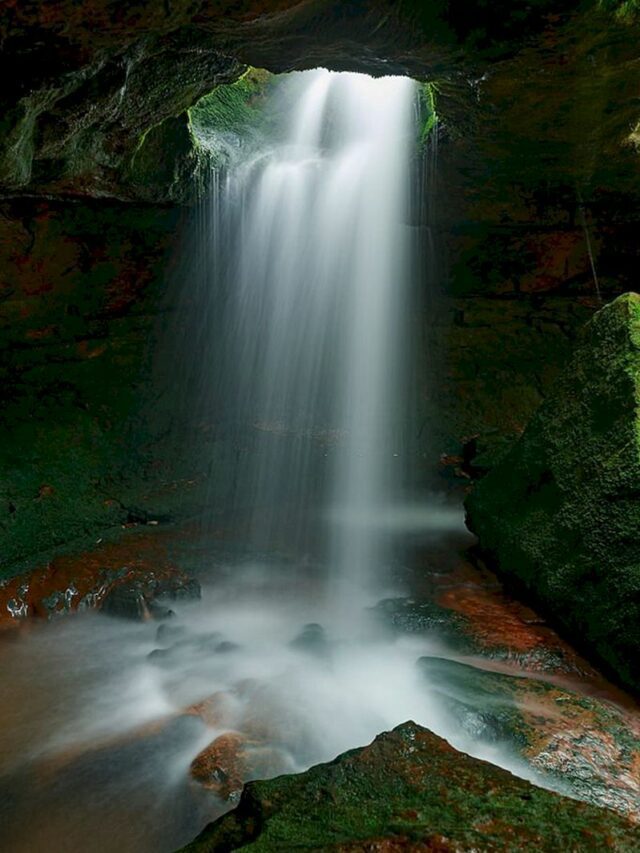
point(410, 790)
point(561, 513)
point(580, 745)
point(181, 177)
point(460, 635)
point(231, 114)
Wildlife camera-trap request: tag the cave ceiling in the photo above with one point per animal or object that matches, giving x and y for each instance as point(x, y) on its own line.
point(531, 96)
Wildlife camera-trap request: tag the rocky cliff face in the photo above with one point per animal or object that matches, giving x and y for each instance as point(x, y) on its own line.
point(80, 296)
point(538, 94)
point(560, 514)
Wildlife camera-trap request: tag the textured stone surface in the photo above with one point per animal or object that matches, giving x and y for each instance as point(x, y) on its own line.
point(536, 108)
point(488, 362)
point(409, 790)
point(80, 304)
point(135, 575)
point(560, 514)
point(543, 91)
point(581, 745)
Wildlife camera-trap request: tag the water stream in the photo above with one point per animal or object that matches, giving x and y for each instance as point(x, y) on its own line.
point(308, 319)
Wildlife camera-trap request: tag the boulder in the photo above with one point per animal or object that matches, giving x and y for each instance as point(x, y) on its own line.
point(560, 515)
point(410, 790)
point(233, 758)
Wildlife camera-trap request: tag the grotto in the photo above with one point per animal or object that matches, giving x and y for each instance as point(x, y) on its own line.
point(320, 482)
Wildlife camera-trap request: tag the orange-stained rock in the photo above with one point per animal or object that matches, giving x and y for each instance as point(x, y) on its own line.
point(494, 622)
point(222, 766)
point(83, 581)
point(215, 710)
point(233, 759)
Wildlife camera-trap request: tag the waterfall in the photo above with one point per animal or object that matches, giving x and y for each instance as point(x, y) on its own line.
point(288, 361)
point(315, 248)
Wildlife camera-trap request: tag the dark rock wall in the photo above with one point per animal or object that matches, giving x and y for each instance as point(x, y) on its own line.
point(560, 514)
point(514, 283)
point(80, 291)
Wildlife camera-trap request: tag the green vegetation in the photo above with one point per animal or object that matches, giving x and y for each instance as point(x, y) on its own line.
point(181, 177)
point(624, 10)
point(409, 789)
point(428, 114)
point(232, 112)
point(560, 513)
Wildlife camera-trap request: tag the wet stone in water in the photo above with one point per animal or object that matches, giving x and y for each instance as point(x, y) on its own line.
point(312, 639)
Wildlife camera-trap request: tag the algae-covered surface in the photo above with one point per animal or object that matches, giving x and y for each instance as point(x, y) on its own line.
point(410, 790)
point(582, 745)
point(560, 514)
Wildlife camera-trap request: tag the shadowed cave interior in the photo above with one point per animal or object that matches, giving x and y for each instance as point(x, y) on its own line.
point(320, 470)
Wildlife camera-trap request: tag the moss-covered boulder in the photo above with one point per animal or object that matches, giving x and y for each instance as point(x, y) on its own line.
point(410, 790)
point(561, 513)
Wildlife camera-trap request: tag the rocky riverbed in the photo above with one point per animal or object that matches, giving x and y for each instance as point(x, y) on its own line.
point(197, 690)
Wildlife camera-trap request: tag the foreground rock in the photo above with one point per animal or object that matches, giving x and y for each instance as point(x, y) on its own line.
point(560, 514)
point(410, 790)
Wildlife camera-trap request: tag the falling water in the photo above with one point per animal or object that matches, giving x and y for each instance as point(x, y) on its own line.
point(300, 340)
point(316, 252)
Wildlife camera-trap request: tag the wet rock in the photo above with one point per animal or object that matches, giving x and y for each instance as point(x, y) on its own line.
point(189, 648)
point(410, 790)
point(160, 612)
point(162, 657)
point(482, 702)
point(312, 639)
point(232, 759)
point(168, 633)
point(465, 607)
point(406, 615)
point(126, 603)
point(216, 710)
point(146, 599)
point(560, 514)
point(136, 568)
point(60, 602)
point(588, 746)
point(462, 633)
point(174, 588)
point(221, 767)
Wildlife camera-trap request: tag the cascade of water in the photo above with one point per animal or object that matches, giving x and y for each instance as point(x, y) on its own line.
point(316, 262)
point(298, 307)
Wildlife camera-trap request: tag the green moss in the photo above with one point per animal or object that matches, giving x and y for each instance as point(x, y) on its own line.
point(80, 429)
point(624, 10)
point(409, 788)
point(428, 114)
point(543, 726)
point(561, 513)
point(231, 111)
point(168, 164)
